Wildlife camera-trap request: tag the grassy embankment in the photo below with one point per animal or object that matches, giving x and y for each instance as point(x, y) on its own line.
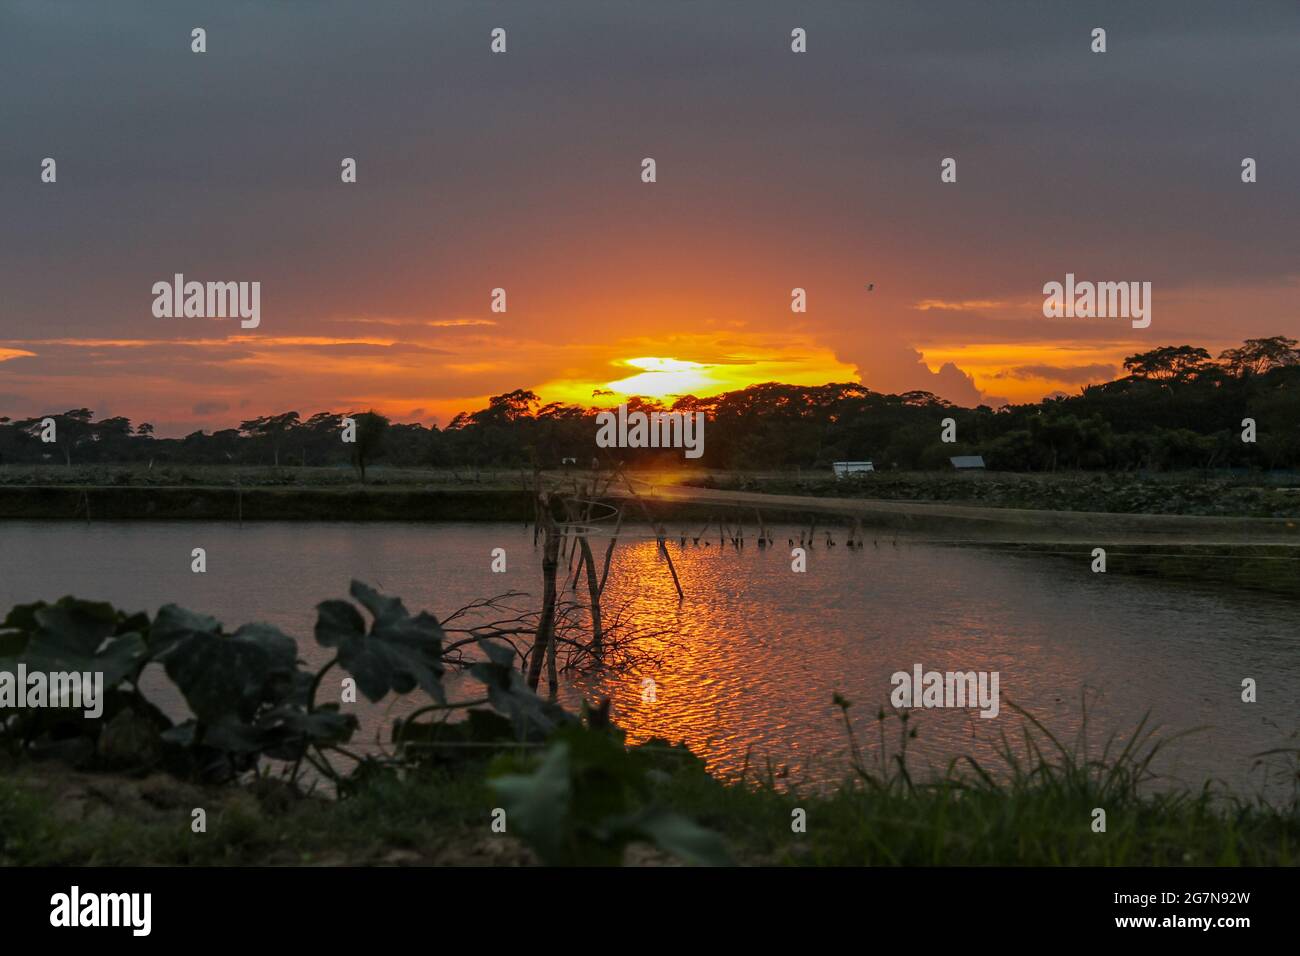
point(1175, 493)
point(1036, 810)
point(194, 490)
point(287, 476)
point(218, 492)
point(225, 493)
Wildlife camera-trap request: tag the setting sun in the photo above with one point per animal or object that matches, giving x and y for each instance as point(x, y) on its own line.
point(719, 362)
point(661, 377)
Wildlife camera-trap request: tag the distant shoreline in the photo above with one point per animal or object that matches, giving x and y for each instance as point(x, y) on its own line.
point(228, 503)
point(1258, 553)
point(1006, 507)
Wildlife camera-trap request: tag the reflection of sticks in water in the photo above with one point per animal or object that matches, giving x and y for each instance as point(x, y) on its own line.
point(593, 590)
point(664, 551)
point(609, 552)
point(537, 506)
point(543, 642)
point(703, 531)
point(569, 520)
point(523, 486)
point(627, 641)
point(661, 540)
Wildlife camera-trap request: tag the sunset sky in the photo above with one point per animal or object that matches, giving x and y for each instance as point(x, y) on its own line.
point(522, 171)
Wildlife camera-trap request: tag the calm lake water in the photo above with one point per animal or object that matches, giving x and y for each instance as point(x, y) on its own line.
point(749, 662)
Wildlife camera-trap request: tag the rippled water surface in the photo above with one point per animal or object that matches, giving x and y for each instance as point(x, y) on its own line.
point(749, 661)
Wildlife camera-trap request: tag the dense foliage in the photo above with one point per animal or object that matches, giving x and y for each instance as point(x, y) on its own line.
point(247, 691)
point(570, 787)
point(1176, 408)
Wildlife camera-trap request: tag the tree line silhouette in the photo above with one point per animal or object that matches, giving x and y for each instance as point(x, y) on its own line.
point(1177, 408)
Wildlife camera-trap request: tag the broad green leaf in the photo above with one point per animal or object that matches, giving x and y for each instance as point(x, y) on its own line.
point(399, 653)
point(385, 610)
point(509, 694)
point(337, 622)
point(22, 617)
point(537, 804)
point(81, 636)
point(223, 675)
point(75, 629)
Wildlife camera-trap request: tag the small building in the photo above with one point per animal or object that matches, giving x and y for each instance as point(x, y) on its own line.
point(842, 468)
point(965, 462)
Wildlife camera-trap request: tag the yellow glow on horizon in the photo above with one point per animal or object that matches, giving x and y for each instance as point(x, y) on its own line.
point(720, 362)
point(664, 364)
point(663, 377)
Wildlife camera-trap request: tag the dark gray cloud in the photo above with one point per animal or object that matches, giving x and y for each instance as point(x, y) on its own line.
point(814, 170)
point(204, 409)
point(1074, 374)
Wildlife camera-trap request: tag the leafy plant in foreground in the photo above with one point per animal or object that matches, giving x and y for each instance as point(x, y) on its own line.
point(74, 636)
point(248, 692)
point(582, 801)
point(397, 654)
point(587, 796)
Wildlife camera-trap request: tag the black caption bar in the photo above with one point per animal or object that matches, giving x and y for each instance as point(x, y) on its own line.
point(343, 904)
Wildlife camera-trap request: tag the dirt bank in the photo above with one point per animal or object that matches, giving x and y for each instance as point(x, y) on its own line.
point(973, 523)
point(356, 503)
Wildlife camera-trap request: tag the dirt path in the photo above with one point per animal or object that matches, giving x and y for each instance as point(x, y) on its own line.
point(974, 523)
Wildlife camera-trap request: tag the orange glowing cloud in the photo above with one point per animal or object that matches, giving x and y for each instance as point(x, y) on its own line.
point(1026, 371)
point(964, 305)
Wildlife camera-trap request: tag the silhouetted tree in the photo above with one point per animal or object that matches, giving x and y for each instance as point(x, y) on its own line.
point(371, 428)
point(274, 430)
point(1169, 363)
point(1257, 356)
